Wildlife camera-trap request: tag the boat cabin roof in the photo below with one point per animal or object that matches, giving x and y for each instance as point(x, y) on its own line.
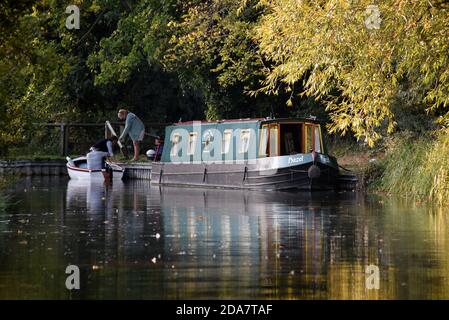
point(247, 120)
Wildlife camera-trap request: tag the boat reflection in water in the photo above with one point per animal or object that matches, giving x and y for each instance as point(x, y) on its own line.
point(243, 244)
point(87, 194)
point(209, 243)
point(205, 243)
point(131, 240)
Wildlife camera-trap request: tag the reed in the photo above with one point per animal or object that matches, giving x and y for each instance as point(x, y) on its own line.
point(417, 167)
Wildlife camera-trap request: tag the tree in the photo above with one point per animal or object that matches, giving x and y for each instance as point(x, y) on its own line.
point(212, 51)
point(360, 72)
point(31, 71)
point(203, 50)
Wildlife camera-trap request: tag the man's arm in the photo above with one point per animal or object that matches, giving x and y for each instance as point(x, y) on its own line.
point(127, 127)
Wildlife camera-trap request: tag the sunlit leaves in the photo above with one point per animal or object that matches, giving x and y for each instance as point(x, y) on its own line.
point(357, 72)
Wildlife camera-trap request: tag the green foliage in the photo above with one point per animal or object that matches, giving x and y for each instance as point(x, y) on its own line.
point(126, 65)
point(417, 167)
point(372, 175)
point(212, 51)
point(201, 53)
point(359, 73)
point(173, 59)
point(214, 38)
point(31, 74)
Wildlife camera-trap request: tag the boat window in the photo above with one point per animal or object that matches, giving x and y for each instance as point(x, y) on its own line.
point(274, 141)
point(192, 143)
point(308, 143)
point(290, 138)
point(317, 139)
point(175, 144)
point(244, 140)
point(263, 142)
point(226, 141)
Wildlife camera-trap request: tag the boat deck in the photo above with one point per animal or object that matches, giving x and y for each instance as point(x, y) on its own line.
point(137, 170)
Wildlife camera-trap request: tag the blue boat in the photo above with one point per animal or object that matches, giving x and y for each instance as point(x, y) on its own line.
point(259, 154)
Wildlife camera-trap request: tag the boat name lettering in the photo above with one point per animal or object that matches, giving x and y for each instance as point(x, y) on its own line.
point(295, 160)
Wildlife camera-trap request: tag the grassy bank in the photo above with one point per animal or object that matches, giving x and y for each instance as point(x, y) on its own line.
point(406, 164)
point(417, 167)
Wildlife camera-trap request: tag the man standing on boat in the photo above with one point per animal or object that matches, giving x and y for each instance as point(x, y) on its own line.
point(134, 128)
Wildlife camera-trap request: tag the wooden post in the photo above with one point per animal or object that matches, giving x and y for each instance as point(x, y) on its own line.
point(64, 139)
point(61, 140)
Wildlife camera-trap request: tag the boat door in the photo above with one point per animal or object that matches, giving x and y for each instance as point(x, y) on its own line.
point(312, 138)
point(290, 141)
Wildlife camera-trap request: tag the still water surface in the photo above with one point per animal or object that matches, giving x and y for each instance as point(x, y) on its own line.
point(131, 240)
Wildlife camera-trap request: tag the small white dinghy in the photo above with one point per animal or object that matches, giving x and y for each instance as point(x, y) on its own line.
point(77, 169)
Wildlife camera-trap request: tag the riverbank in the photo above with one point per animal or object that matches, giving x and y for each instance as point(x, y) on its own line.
point(57, 167)
point(405, 164)
point(33, 167)
point(418, 167)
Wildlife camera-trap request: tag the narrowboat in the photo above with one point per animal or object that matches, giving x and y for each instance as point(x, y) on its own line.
point(256, 154)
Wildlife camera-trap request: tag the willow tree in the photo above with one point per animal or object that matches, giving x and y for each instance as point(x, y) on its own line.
point(360, 58)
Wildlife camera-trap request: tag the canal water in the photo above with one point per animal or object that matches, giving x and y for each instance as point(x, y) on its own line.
point(132, 241)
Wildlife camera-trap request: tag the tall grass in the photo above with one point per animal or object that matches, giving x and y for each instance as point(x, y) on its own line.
point(417, 167)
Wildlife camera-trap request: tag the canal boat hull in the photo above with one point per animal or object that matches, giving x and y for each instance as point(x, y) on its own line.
point(77, 170)
point(301, 172)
